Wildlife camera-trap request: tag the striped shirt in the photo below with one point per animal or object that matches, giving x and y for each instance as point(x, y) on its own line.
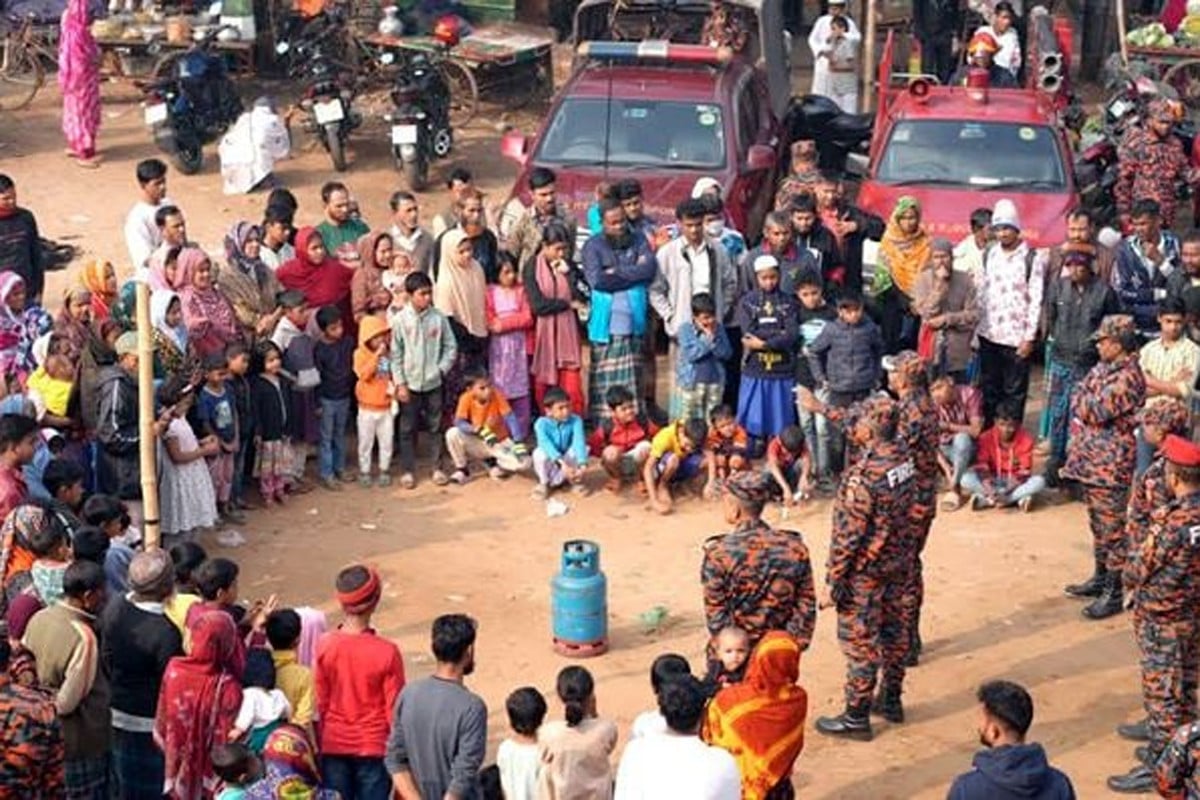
point(1165, 362)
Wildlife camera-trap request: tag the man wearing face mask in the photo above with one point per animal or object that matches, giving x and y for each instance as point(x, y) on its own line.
point(1166, 581)
point(717, 228)
point(1009, 769)
point(619, 266)
point(688, 265)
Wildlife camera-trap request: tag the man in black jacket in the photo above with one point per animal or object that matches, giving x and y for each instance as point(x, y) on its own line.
point(117, 460)
point(1009, 769)
point(850, 227)
point(20, 250)
point(814, 237)
point(938, 24)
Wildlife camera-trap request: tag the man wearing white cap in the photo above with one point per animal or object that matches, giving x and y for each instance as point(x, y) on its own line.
point(1010, 304)
point(821, 42)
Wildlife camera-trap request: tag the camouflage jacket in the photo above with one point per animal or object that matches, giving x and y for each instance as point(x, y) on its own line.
point(918, 425)
point(1167, 575)
point(1150, 168)
point(759, 579)
point(1101, 450)
point(1149, 493)
point(872, 517)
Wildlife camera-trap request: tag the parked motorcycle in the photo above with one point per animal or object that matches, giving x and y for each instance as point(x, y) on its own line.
point(837, 133)
point(191, 102)
point(329, 87)
point(421, 130)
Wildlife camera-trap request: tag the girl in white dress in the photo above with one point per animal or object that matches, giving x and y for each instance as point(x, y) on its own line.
point(184, 485)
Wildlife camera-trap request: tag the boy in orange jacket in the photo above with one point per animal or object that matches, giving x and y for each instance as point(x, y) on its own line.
point(374, 392)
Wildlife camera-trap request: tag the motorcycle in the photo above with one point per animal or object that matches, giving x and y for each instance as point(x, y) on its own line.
point(330, 87)
point(191, 102)
point(836, 132)
point(420, 124)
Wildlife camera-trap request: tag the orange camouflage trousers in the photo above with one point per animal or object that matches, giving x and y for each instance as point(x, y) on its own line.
point(1106, 507)
point(1170, 671)
point(872, 634)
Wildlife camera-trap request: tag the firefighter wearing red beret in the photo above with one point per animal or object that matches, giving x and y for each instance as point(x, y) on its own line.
point(1101, 454)
point(1166, 594)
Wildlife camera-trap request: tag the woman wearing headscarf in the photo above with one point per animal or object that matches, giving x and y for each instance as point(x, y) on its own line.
point(367, 293)
point(171, 354)
point(17, 532)
point(323, 280)
point(73, 324)
point(79, 78)
point(248, 283)
point(460, 293)
point(208, 314)
point(19, 327)
point(552, 284)
point(198, 704)
point(904, 252)
point(760, 721)
point(97, 354)
point(289, 769)
point(100, 278)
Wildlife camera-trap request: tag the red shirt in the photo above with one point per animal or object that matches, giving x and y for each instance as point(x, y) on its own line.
point(1012, 461)
point(623, 437)
point(781, 455)
point(13, 491)
point(358, 678)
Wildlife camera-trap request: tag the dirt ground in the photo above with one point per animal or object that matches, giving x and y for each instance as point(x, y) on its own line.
point(994, 604)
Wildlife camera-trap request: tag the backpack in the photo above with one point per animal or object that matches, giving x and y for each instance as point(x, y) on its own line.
point(1030, 257)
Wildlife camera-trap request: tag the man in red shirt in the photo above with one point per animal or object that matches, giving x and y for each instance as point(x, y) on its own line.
point(622, 442)
point(358, 677)
point(1003, 474)
point(960, 421)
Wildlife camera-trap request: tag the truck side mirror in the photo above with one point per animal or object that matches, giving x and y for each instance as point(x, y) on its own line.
point(858, 165)
point(514, 145)
point(760, 158)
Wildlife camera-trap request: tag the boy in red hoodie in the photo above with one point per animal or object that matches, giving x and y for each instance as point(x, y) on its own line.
point(358, 677)
point(622, 442)
point(1003, 473)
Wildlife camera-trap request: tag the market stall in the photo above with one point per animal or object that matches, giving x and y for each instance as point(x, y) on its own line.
point(1170, 48)
point(144, 45)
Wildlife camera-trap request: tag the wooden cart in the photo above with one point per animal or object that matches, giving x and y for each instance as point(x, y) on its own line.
point(494, 63)
point(130, 59)
point(1178, 67)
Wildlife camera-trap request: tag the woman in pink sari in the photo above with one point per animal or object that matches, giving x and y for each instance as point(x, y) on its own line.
point(79, 78)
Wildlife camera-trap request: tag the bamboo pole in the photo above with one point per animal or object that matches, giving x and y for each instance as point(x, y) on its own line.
point(1121, 33)
point(146, 438)
point(868, 60)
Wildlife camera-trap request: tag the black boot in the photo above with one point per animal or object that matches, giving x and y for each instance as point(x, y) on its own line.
point(1111, 602)
point(1135, 731)
point(1143, 755)
point(914, 646)
point(1139, 780)
point(1093, 586)
point(887, 704)
point(853, 723)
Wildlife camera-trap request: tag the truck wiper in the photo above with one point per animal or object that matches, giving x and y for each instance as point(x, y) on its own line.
point(1023, 185)
point(926, 182)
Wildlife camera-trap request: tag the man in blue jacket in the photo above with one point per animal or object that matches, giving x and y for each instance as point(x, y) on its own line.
point(1009, 769)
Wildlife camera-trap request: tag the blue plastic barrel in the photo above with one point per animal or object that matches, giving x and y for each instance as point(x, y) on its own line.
point(579, 602)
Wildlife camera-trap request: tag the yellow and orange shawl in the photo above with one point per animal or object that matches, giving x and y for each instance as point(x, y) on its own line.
point(903, 255)
point(761, 720)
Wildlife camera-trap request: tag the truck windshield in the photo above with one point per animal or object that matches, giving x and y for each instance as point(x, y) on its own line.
point(970, 153)
point(634, 133)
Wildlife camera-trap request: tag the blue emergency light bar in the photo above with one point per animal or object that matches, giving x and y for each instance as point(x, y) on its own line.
point(656, 50)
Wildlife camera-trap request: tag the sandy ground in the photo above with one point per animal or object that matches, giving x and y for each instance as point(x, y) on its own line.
point(994, 606)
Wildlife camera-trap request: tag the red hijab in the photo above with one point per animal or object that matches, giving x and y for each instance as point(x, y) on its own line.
point(197, 706)
point(323, 283)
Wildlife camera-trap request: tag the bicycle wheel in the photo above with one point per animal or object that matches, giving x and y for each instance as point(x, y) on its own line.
point(464, 92)
point(21, 76)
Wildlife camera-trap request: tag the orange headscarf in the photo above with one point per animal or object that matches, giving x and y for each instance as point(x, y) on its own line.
point(761, 720)
point(94, 278)
point(905, 255)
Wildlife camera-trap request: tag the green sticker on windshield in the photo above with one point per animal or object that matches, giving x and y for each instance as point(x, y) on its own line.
point(1027, 134)
point(707, 119)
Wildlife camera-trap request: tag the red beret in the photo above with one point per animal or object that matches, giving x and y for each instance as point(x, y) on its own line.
point(1179, 450)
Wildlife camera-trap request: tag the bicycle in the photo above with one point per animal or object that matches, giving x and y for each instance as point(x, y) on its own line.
point(24, 52)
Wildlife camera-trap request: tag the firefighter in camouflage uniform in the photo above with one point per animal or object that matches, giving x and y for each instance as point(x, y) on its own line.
point(1166, 594)
point(870, 560)
point(1101, 454)
point(757, 578)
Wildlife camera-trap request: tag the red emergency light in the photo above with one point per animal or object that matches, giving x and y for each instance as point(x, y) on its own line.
point(978, 80)
point(656, 50)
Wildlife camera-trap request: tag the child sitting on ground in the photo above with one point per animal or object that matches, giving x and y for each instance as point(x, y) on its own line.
point(291, 677)
point(561, 453)
point(237, 768)
point(518, 758)
point(189, 501)
point(699, 369)
point(52, 556)
point(790, 465)
point(732, 647)
point(485, 428)
point(375, 392)
point(264, 708)
point(667, 667)
point(622, 442)
point(53, 382)
point(576, 751)
point(674, 458)
point(725, 447)
point(1003, 472)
